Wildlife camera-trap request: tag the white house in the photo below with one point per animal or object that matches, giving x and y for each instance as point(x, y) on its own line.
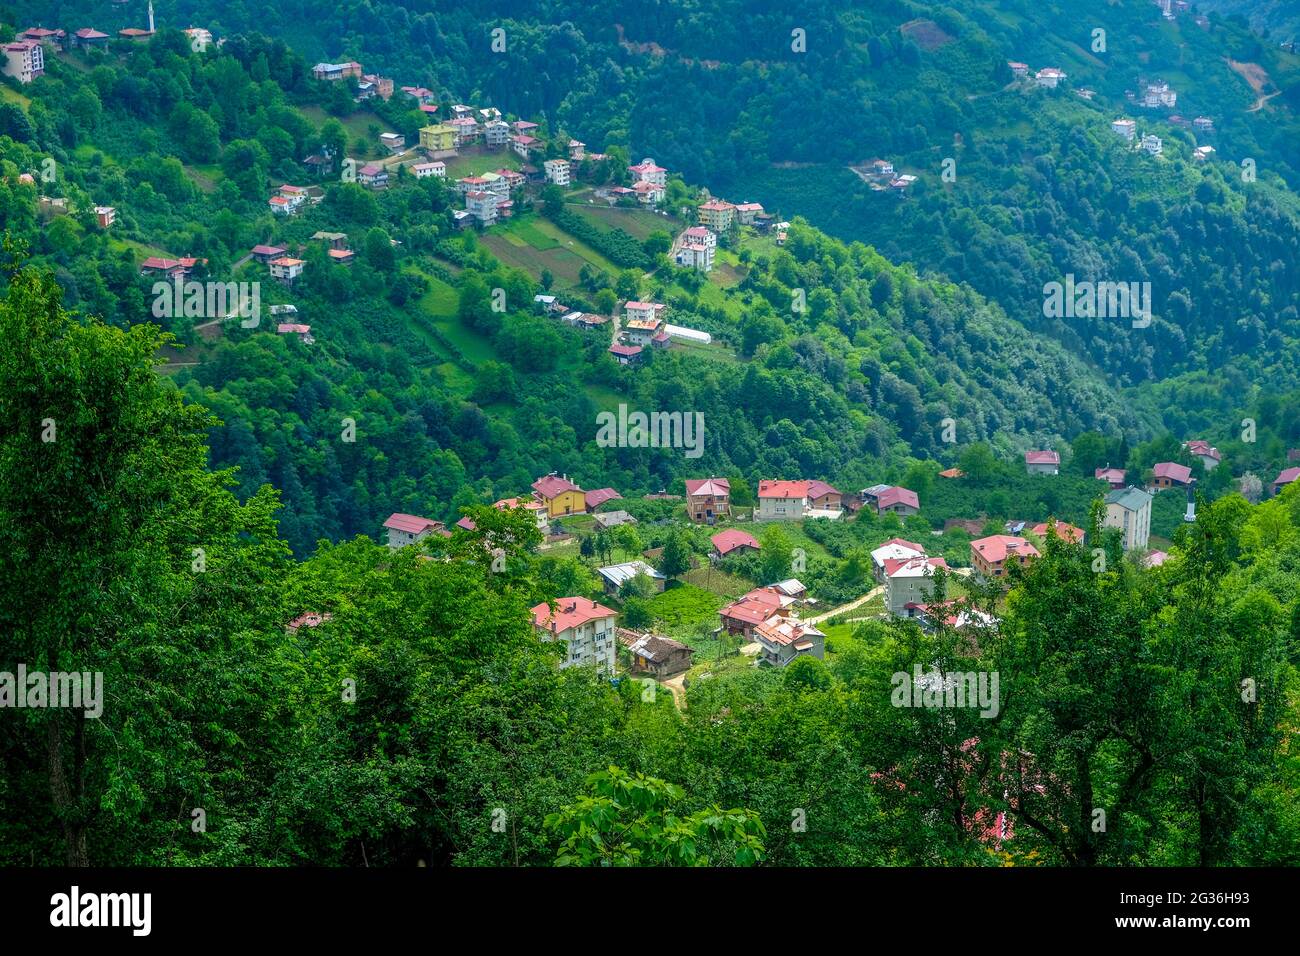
point(482, 206)
point(286, 269)
point(1049, 77)
point(781, 500)
point(895, 549)
point(24, 60)
point(1042, 462)
point(1126, 128)
point(586, 629)
point(404, 529)
point(647, 172)
point(909, 581)
point(436, 169)
point(1151, 143)
point(557, 171)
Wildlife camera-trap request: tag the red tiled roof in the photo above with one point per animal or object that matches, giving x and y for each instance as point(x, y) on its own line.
point(898, 496)
point(894, 565)
point(775, 488)
point(819, 489)
point(1042, 458)
point(625, 350)
point(1201, 447)
point(1113, 475)
point(996, 547)
point(552, 485)
point(165, 265)
point(598, 497)
point(727, 541)
point(708, 486)
point(1173, 471)
point(747, 611)
point(1064, 531)
point(411, 523)
point(1286, 476)
point(569, 612)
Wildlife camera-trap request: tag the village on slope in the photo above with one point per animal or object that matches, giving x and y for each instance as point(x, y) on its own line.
point(773, 622)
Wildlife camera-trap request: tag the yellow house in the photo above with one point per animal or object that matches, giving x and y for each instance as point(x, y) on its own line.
point(561, 496)
point(437, 138)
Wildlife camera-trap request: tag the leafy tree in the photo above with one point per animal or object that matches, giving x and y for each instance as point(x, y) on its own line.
point(627, 820)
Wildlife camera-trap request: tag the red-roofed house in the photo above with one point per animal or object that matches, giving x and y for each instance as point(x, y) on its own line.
point(909, 581)
point(782, 639)
point(1167, 474)
point(1284, 478)
point(894, 549)
point(717, 215)
point(898, 500)
point(585, 627)
point(823, 497)
point(732, 541)
point(167, 267)
point(642, 311)
point(781, 500)
point(1042, 462)
point(560, 495)
point(1208, 455)
point(647, 172)
point(625, 354)
point(708, 499)
point(264, 254)
point(1112, 476)
point(404, 529)
point(595, 499)
point(89, 36)
point(1064, 531)
point(992, 556)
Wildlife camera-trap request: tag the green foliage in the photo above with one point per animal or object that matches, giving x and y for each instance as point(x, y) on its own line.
point(634, 821)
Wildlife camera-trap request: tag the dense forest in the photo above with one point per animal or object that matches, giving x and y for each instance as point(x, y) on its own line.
point(424, 721)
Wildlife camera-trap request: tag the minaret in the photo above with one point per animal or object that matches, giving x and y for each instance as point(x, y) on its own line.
point(151, 16)
point(1191, 501)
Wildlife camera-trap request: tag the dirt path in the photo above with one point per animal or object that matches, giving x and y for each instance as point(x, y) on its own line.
point(1259, 103)
point(843, 608)
point(677, 687)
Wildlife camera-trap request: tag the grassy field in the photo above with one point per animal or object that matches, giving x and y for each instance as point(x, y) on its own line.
point(355, 124)
point(533, 244)
point(438, 306)
point(205, 177)
point(709, 578)
point(637, 223)
point(13, 96)
point(478, 160)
